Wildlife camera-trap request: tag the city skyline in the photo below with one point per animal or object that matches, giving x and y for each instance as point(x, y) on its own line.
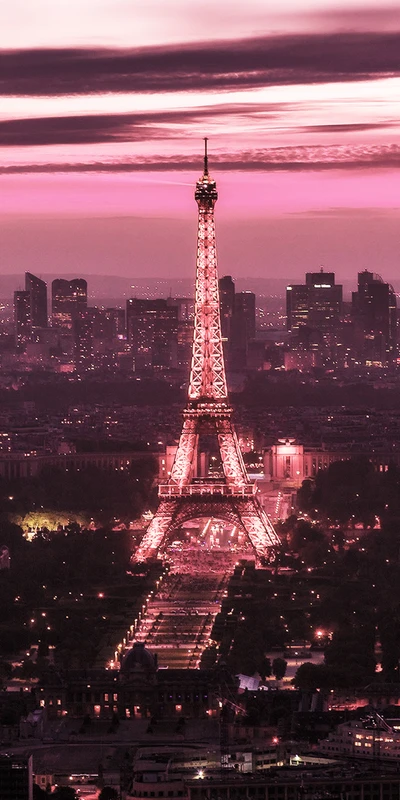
point(103, 116)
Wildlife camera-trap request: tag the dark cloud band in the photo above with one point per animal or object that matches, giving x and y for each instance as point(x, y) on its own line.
point(156, 125)
point(102, 128)
point(216, 66)
point(277, 159)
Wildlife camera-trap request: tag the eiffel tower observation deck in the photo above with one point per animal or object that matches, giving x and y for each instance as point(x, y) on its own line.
point(229, 495)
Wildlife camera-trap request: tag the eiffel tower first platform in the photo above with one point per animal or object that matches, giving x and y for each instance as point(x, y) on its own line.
point(232, 497)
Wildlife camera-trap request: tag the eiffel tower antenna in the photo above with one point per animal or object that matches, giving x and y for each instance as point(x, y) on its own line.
point(205, 156)
point(185, 496)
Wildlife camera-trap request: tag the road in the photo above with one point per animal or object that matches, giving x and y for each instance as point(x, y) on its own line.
point(178, 620)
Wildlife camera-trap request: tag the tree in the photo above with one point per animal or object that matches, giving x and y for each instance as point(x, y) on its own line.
point(279, 666)
point(38, 793)
point(305, 494)
point(310, 677)
point(5, 671)
point(265, 668)
point(108, 793)
point(64, 793)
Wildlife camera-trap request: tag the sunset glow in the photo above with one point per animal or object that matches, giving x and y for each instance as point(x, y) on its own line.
point(104, 106)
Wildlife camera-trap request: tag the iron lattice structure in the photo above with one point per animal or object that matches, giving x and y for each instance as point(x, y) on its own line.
point(233, 498)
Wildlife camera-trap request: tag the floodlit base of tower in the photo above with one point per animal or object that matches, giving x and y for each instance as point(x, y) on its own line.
point(244, 511)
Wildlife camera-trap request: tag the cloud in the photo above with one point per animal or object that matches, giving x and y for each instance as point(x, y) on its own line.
point(293, 159)
point(348, 127)
point(105, 128)
point(217, 66)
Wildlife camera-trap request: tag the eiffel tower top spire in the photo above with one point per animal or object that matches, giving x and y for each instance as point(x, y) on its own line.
point(205, 156)
point(207, 375)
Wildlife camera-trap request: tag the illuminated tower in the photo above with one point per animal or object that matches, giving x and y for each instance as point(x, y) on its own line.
point(228, 495)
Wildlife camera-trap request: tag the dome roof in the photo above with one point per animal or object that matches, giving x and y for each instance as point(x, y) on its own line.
point(138, 659)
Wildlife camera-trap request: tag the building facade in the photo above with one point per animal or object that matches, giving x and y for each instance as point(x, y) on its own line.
point(152, 332)
point(38, 298)
point(22, 319)
point(289, 463)
point(315, 304)
point(68, 302)
point(374, 312)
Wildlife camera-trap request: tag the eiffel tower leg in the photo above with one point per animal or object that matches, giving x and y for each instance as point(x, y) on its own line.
point(156, 532)
point(182, 467)
point(231, 456)
point(259, 528)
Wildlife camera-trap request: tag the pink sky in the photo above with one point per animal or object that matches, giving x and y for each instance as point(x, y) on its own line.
point(105, 103)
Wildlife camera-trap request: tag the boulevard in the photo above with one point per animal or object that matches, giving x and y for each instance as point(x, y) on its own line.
point(177, 621)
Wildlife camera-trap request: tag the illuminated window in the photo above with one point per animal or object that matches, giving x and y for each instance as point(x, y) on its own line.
point(97, 710)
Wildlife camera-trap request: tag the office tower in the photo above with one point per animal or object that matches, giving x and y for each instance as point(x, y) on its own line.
point(374, 311)
point(68, 302)
point(243, 328)
point(16, 779)
point(244, 315)
point(38, 294)
point(226, 304)
point(316, 304)
point(22, 319)
point(83, 344)
point(152, 332)
point(116, 318)
point(185, 306)
point(185, 340)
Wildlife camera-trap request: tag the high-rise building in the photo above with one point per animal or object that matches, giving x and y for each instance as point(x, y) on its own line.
point(152, 332)
point(22, 319)
point(38, 294)
point(316, 304)
point(68, 302)
point(116, 318)
point(83, 344)
point(374, 311)
point(244, 315)
point(16, 779)
point(243, 328)
point(185, 308)
point(226, 287)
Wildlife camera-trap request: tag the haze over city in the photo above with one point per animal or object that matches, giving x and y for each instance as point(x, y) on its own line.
point(104, 106)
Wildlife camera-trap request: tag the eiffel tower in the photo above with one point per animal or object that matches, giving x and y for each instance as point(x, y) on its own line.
point(232, 497)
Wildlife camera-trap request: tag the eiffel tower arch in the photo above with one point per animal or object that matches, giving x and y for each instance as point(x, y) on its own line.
point(232, 497)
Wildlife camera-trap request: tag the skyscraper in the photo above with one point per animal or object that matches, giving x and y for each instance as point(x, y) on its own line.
point(22, 319)
point(152, 331)
point(374, 311)
point(243, 327)
point(226, 287)
point(38, 298)
point(68, 302)
point(316, 304)
point(83, 344)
